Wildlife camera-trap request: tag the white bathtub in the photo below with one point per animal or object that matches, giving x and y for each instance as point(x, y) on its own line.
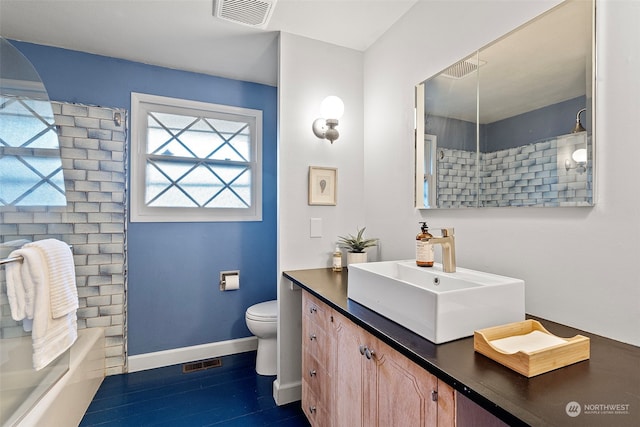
point(64, 402)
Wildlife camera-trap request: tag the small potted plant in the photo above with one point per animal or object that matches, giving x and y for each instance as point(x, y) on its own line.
point(355, 246)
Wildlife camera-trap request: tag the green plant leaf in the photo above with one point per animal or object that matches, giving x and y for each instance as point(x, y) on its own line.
point(356, 243)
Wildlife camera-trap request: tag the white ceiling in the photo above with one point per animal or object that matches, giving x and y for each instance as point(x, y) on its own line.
point(184, 34)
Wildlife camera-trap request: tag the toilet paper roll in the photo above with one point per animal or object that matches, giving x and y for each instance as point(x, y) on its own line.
point(232, 282)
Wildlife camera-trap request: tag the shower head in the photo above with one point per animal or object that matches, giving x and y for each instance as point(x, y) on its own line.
point(578, 127)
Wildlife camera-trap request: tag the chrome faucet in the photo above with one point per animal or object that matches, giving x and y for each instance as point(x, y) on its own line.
point(448, 249)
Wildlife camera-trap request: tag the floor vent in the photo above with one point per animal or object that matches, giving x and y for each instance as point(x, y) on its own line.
point(201, 365)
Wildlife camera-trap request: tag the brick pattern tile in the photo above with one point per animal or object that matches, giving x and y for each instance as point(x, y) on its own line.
point(533, 174)
point(93, 155)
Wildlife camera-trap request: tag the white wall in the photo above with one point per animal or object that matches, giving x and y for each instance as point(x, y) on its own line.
point(309, 71)
point(579, 264)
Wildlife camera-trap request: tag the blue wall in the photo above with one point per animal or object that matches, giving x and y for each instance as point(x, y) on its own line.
point(536, 125)
point(173, 296)
point(452, 133)
point(516, 131)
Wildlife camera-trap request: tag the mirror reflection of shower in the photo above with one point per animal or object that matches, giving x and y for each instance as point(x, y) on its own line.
point(579, 161)
point(579, 156)
point(506, 130)
point(430, 184)
point(578, 127)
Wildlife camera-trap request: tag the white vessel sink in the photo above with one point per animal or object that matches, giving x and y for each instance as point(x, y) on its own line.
point(436, 305)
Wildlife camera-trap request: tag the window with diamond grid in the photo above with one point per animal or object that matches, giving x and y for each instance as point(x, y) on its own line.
point(194, 161)
point(30, 165)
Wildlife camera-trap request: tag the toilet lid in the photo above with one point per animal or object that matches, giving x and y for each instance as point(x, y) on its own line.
point(264, 311)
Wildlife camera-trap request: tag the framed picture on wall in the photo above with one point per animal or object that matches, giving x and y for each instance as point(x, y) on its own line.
point(323, 185)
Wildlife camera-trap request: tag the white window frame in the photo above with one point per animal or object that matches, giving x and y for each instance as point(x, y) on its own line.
point(141, 104)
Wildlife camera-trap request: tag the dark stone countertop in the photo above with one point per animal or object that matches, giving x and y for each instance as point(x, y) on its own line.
point(607, 386)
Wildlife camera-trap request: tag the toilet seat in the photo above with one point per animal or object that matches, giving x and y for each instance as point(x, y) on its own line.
point(263, 312)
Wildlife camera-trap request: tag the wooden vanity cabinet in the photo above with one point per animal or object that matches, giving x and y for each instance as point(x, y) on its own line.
point(368, 382)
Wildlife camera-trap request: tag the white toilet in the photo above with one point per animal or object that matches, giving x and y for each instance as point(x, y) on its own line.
point(262, 321)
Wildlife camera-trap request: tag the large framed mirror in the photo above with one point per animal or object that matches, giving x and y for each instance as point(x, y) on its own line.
point(513, 123)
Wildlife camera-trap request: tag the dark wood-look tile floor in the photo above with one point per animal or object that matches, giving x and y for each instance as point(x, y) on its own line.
point(230, 395)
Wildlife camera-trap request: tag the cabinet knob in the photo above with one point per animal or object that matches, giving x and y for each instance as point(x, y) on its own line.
point(362, 349)
point(369, 353)
point(312, 372)
point(313, 310)
point(312, 409)
point(434, 395)
point(312, 336)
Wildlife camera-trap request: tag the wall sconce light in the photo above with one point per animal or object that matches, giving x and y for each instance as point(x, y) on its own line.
point(331, 110)
point(579, 161)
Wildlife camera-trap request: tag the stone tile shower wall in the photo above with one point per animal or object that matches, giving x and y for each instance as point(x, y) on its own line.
point(520, 176)
point(457, 182)
point(532, 174)
point(93, 151)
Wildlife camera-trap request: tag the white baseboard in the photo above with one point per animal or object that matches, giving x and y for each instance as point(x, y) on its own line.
point(141, 362)
point(286, 393)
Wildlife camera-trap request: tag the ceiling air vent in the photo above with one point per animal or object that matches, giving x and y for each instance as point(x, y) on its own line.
point(463, 68)
point(254, 13)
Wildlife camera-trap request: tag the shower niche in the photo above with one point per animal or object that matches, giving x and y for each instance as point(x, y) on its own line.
point(512, 124)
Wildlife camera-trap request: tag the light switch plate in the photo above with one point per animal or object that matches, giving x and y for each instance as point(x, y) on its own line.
point(316, 227)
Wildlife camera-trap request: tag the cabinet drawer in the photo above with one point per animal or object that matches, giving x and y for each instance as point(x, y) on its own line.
point(317, 377)
point(318, 343)
point(313, 408)
point(316, 311)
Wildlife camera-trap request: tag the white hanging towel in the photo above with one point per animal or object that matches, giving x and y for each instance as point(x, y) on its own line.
point(20, 283)
point(62, 275)
point(16, 288)
point(48, 274)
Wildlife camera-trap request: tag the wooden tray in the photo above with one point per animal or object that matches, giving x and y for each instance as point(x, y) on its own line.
point(540, 351)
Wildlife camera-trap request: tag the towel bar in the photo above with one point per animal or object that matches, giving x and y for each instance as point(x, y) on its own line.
point(11, 259)
point(18, 258)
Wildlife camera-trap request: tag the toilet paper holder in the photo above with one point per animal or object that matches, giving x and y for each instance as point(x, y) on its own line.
point(233, 276)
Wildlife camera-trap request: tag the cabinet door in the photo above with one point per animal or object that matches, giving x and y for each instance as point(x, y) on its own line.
point(352, 379)
point(349, 388)
point(401, 393)
point(446, 405)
